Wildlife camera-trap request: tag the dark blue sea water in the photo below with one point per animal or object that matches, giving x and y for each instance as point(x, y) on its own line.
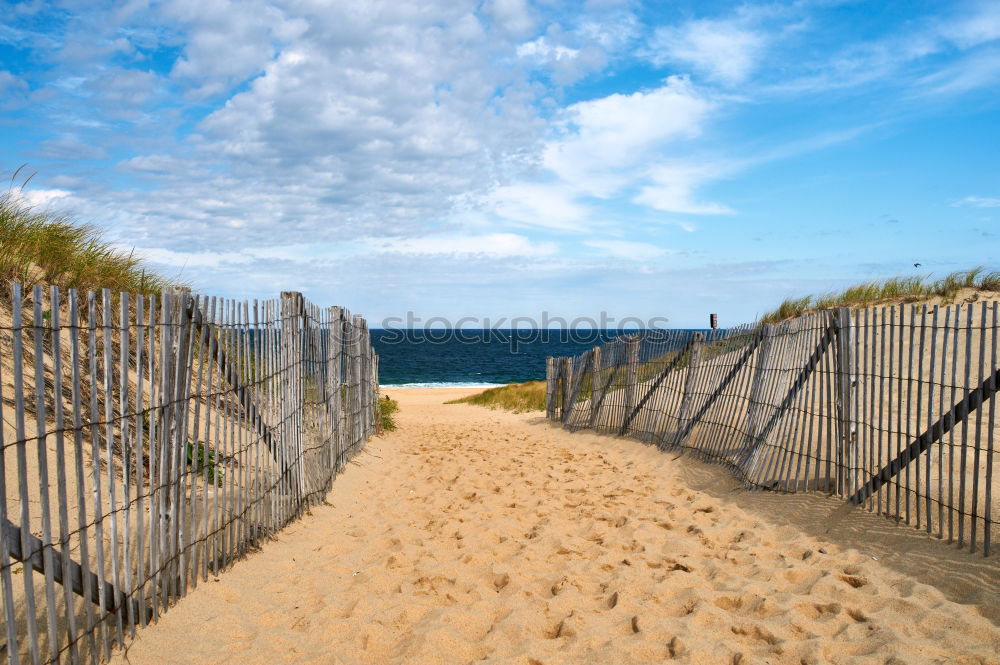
point(474, 357)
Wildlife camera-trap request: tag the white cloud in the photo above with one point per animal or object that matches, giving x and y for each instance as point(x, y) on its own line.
point(979, 202)
point(543, 205)
point(121, 91)
point(978, 70)
point(605, 147)
point(227, 41)
point(512, 17)
point(613, 31)
point(70, 147)
point(153, 164)
point(543, 50)
point(496, 245)
point(343, 122)
point(673, 190)
point(377, 119)
point(168, 257)
point(977, 27)
point(911, 58)
point(491, 245)
point(582, 43)
point(602, 139)
point(44, 197)
point(724, 50)
point(9, 83)
point(625, 249)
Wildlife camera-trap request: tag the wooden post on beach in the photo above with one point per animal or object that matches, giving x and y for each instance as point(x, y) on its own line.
point(172, 441)
point(333, 376)
point(362, 381)
point(291, 362)
point(683, 416)
point(356, 387)
point(372, 385)
point(335, 370)
point(754, 397)
point(349, 363)
point(595, 375)
point(581, 375)
point(631, 377)
point(183, 360)
point(846, 402)
point(567, 387)
point(550, 388)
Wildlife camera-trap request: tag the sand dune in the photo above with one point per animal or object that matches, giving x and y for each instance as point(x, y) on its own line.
point(477, 536)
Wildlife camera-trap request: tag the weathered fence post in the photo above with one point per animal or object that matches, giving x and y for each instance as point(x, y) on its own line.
point(846, 402)
point(349, 361)
point(362, 380)
point(595, 373)
point(757, 384)
point(577, 384)
point(182, 349)
point(683, 415)
point(567, 387)
point(373, 390)
point(334, 352)
point(631, 377)
point(345, 380)
point(291, 388)
point(372, 386)
point(550, 388)
point(357, 431)
point(168, 434)
point(369, 382)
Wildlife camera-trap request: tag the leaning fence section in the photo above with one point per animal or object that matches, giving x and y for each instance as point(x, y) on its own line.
point(150, 441)
point(892, 408)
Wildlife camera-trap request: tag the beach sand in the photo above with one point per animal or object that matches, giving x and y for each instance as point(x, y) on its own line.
point(479, 536)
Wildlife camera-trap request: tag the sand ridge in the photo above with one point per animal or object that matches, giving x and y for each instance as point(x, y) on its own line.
point(478, 536)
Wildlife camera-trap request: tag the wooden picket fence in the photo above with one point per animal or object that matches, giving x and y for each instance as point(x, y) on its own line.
point(892, 408)
point(149, 442)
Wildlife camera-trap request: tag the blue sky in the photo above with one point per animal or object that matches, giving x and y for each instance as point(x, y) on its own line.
point(505, 158)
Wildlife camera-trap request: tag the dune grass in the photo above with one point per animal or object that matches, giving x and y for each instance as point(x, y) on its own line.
point(41, 247)
point(385, 410)
point(886, 290)
point(516, 397)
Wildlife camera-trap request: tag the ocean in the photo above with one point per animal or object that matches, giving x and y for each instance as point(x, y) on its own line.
point(470, 358)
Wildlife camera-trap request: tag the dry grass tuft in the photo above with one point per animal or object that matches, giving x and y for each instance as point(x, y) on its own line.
point(516, 397)
point(893, 289)
point(41, 247)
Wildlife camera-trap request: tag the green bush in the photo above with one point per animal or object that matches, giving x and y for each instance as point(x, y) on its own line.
point(385, 410)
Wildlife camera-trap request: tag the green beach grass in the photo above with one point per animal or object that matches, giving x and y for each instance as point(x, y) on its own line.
point(42, 247)
point(385, 414)
point(516, 397)
point(893, 289)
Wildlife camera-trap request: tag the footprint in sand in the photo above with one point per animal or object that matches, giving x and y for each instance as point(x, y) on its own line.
point(555, 571)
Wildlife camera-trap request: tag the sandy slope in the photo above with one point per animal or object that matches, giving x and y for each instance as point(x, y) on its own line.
point(475, 536)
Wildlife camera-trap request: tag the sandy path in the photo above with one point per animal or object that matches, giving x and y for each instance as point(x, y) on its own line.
point(475, 536)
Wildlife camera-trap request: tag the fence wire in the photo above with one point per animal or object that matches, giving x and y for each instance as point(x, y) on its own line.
point(149, 442)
